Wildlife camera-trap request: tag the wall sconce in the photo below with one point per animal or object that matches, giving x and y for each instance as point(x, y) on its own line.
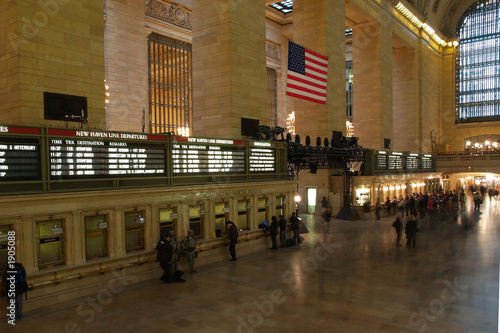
point(101, 224)
point(268, 203)
point(248, 205)
point(139, 219)
point(285, 201)
point(226, 209)
point(297, 198)
point(174, 215)
point(202, 210)
point(56, 230)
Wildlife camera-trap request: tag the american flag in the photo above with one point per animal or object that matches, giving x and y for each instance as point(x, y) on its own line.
point(307, 74)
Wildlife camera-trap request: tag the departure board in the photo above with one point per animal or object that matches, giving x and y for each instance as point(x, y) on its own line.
point(395, 162)
point(19, 156)
point(84, 157)
point(262, 158)
point(208, 156)
point(19, 159)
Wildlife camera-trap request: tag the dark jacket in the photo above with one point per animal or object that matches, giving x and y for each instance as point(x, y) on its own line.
point(294, 220)
point(411, 227)
point(165, 251)
point(274, 227)
point(282, 224)
point(232, 233)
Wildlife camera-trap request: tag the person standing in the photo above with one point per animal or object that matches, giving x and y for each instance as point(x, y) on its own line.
point(189, 248)
point(232, 237)
point(398, 225)
point(294, 222)
point(282, 225)
point(477, 201)
point(378, 208)
point(175, 247)
point(274, 232)
point(411, 231)
point(16, 277)
point(165, 256)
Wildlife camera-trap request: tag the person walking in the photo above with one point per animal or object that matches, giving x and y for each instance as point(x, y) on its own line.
point(398, 225)
point(274, 232)
point(411, 231)
point(189, 248)
point(327, 215)
point(232, 237)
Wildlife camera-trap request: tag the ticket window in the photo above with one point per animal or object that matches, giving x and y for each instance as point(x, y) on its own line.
point(166, 223)
point(96, 236)
point(134, 231)
point(220, 219)
point(50, 246)
point(4, 229)
point(280, 202)
point(261, 210)
point(363, 194)
point(196, 221)
point(242, 215)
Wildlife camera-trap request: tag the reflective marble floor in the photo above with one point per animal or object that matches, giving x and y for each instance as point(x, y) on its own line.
point(354, 279)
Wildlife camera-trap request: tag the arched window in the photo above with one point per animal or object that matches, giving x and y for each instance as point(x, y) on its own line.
point(478, 63)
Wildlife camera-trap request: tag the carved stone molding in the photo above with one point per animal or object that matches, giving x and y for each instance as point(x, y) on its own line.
point(170, 12)
point(273, 51)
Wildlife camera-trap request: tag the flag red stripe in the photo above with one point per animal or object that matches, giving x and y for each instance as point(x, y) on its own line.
point(306, 98)
point(301, 88)
point(314, 69)
point(319, 63)
point(316, 54)
point(306, 82)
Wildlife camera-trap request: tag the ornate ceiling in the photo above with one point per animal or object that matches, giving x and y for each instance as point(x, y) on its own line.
point(443, 15)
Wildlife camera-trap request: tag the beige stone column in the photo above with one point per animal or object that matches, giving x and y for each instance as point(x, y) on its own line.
point(405, 115)
point(319, 25)
point(229, 66)
point(372, 88)
point(52, 46)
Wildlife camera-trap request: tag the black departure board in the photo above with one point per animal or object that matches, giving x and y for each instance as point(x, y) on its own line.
point(208, 156)
point(19, 159)
point(395, 162)
point(262, 157)
point(82, 156)
point(20, 153)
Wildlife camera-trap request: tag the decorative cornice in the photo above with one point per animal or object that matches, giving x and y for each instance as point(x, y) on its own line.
point(170, 12)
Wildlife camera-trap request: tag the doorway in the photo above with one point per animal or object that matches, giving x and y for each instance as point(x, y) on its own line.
point(311, 194)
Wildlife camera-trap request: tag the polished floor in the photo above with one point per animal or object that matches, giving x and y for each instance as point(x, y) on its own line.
point(354, 279)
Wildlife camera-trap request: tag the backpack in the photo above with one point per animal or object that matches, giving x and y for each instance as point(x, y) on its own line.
point(21, 284)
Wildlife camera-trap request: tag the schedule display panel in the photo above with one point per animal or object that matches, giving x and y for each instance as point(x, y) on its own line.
point(19, 157)
point(208, 156)
point(262, 157)
point(83, 155)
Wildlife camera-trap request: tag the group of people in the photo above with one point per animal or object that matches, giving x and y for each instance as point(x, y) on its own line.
point(411, 229)
point(438, 203)
point(169, 251)
point(280, 226)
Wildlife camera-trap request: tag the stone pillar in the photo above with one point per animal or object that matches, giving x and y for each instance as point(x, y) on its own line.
point(52, 46)
point(229, 66)
point(372, 89)
point(405, 114)
point(319, 25)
